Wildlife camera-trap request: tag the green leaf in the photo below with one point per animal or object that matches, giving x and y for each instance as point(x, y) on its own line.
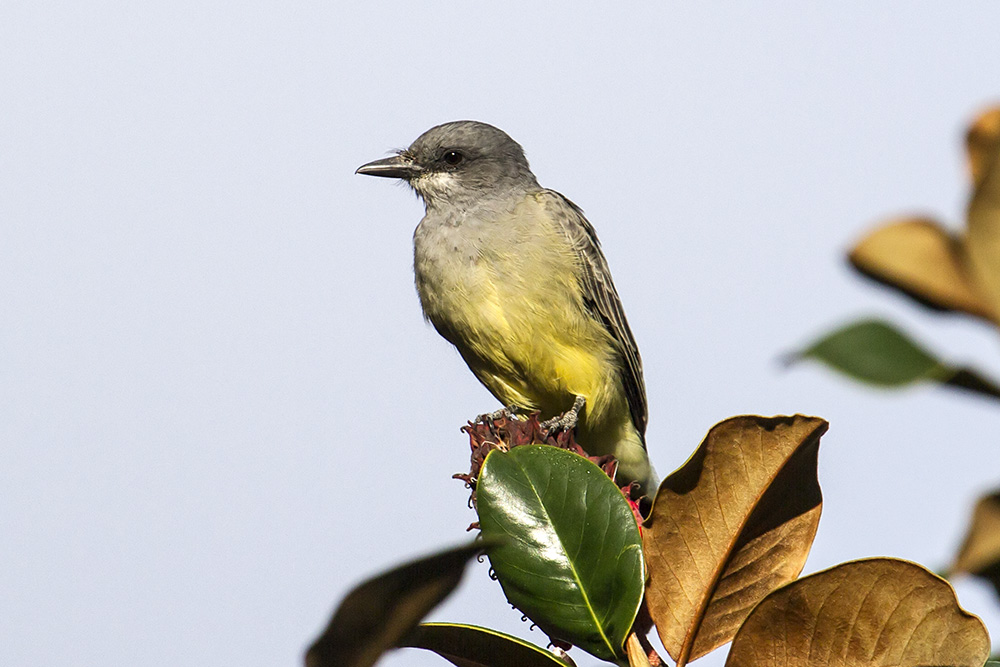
point(376, 614)
point(875, 352)
point(572, 560)
point(472, 646)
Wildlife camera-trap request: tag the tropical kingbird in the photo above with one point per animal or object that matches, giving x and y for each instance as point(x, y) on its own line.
point(513, 276)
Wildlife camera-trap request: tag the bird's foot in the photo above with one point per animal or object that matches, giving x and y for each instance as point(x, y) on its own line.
point(567, 420)
point(509, 412)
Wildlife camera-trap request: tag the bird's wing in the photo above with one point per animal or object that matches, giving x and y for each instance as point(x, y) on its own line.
point(601, 297)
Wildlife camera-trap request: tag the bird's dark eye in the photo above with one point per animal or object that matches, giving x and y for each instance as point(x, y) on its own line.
point(452, 157)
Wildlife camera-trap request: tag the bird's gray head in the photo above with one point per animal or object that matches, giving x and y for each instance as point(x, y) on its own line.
point(459, 163)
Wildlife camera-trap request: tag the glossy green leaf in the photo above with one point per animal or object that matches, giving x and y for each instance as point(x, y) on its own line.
point(374, 616)
point(572, 560)
point(877, 353)
point(472, 646)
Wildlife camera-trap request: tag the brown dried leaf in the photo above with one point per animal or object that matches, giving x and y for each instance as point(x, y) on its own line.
point(873, 612)
point(637, 656)
point(982, 241)
point(980, 552)
point(981, 142)
point(731, 525)
point(922, 260)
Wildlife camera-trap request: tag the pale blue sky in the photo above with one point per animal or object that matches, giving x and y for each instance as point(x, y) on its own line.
point(220, 406)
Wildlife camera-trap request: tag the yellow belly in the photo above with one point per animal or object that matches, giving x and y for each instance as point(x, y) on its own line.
point(545, 368)
point(534, 345)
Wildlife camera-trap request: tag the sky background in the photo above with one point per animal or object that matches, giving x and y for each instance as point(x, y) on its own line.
point(220, 407)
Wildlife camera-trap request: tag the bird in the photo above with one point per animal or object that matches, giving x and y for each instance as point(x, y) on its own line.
point(513, 275)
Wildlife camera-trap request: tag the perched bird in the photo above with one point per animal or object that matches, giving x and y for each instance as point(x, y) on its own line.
point(513, 276)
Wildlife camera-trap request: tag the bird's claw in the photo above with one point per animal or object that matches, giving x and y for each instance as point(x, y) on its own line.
point(567, 420)
point(508, 412)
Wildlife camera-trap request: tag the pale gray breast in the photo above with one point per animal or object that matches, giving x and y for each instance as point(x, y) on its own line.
point(468, 264)
point(446, 263)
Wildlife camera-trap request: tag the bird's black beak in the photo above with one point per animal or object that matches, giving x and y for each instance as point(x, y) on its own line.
point(397, 166)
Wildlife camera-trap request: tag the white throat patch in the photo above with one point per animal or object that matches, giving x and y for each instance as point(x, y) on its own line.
point(435, 185)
